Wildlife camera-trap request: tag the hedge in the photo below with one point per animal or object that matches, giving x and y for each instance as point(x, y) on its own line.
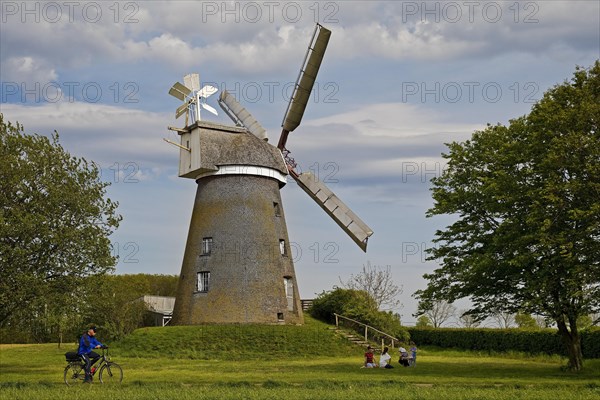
point(528, 341)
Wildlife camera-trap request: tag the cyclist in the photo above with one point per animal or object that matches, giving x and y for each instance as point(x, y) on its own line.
point(87, 344)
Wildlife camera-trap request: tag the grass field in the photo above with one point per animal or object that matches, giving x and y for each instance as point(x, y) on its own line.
point(328, 369)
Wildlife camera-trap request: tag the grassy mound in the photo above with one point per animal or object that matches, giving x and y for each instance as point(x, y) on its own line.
point(236, 342)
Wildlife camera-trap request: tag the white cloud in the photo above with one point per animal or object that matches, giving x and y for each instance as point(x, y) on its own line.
point(102, 133)
point(27, 70)
point(370, 143)
point(424, 41)
point(264, 51)
point(378, 144)
point(393, 119)
point(187, 34)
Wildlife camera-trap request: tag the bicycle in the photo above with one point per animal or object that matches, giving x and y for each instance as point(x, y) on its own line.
point(108, 372)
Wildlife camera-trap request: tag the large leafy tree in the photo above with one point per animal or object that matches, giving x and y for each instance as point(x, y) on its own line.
point(54, 226)
point(526, 198)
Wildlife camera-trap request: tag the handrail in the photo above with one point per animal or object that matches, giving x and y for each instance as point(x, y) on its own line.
point(367, 327)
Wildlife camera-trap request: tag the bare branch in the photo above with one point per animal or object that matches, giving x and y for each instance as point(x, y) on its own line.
point(378, 283)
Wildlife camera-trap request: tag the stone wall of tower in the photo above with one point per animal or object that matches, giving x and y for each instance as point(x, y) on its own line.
point(243, 216)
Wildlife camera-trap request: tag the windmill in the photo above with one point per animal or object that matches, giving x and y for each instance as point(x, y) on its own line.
point(237, 266)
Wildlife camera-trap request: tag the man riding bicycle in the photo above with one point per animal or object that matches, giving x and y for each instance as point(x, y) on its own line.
point(87, 344)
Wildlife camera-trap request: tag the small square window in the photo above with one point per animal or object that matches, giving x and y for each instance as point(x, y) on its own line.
point(280, 316)
point(206, 246)
point(203, 281)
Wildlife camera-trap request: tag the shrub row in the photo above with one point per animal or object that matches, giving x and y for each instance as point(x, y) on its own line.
point(528, 341)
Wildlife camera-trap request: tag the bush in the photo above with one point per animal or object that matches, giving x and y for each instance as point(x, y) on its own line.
point(590, 342)
point(357, 305)
point(534, 342)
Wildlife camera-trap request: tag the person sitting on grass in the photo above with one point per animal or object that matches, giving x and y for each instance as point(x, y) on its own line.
point(403, 356)
point(369, 359)
point(384, 360)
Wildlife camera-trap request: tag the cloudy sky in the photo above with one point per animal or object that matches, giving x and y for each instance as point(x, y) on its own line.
point(399, 79)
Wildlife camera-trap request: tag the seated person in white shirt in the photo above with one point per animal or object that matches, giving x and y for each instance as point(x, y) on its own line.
point(384, 360)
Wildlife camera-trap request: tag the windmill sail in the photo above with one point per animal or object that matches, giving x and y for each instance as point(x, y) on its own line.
point(182, 109)
point(192, 81)
point(179, 91)
point(209, 108)
point(240, 115)
point(304, 83)
point(207, 91)
point(341, 214)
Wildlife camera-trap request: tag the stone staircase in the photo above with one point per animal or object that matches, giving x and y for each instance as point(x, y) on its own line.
point(354, 338)
point(362, 340)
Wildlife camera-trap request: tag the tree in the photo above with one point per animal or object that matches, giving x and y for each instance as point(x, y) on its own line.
point(54, 226)
point(525, 321)
point(585, 322)
point(356, 304)
point(527, 201)
point(438, 311)
point(378, 283)
point(467, 320)
point(503, 319)
point(424, 322)
point(543, 322)
point(120, 309)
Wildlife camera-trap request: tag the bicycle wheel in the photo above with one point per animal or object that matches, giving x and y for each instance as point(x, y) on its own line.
point(74, 374)
point(111, 374)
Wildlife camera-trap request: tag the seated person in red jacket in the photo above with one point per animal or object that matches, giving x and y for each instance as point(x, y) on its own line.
point(369, 359)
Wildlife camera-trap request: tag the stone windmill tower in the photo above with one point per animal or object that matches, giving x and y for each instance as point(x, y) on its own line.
point(237, 266)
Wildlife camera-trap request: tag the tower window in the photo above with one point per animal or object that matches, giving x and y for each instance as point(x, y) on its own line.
point(277, 209)
point(203, 281)
point(282, 247)
point(288, 285)
point(206, 246)
point(187, 144)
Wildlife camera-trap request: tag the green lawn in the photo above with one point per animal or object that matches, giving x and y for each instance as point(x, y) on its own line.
point(35, 371)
